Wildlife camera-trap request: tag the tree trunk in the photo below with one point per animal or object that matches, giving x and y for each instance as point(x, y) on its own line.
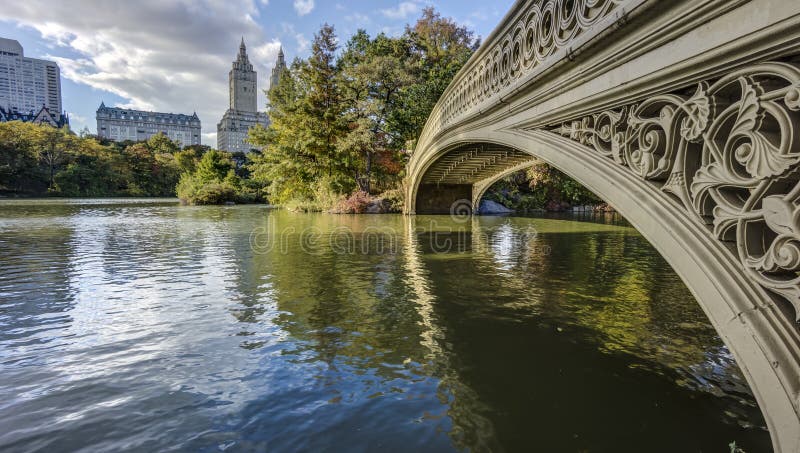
point(52, 169)
point(368, 172)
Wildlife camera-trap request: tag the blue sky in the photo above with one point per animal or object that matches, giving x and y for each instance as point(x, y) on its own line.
point(174, 56)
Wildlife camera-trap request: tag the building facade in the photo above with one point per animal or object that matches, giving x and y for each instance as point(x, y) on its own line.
point(43, 116)
point(242, 113)
point(28, 84)
point(120, 124)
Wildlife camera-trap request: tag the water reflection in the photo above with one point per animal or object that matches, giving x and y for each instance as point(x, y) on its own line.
point(145, 325)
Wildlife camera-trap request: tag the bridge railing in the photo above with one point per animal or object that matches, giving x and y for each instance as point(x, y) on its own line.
point(532, 39)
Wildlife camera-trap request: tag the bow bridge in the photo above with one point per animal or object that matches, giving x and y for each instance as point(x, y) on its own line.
point(685, 116)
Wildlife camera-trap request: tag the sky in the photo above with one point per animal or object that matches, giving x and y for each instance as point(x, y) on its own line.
point(174, 55)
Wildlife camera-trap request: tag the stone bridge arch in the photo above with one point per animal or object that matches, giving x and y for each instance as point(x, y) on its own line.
point(684, 116)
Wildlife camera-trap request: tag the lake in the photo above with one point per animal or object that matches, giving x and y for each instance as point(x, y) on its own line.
point(143, 325)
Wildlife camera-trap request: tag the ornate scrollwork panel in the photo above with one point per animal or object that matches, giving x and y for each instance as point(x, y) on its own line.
point(729, 151)
point(540, 30)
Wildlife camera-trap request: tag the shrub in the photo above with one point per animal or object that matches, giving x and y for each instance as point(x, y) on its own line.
point(354, 204)
point(215, 193)
point(395, 199)
point(304, 205)
point(328, 193)
point(192, 190)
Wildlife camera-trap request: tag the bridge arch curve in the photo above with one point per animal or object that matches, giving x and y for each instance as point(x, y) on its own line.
point(479, 189)
point(745, 316)
point(685, 117)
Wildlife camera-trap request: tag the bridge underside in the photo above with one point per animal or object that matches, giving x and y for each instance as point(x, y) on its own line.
point(457, 180)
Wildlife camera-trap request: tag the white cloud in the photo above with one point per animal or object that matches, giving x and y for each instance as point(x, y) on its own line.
point(358, 18)
point(302, 42)
point(401, 11)
point(210, 138)
point(166, 56)
point(266, 52)
point(303, 7)
point(75, 118)
point(480, 15)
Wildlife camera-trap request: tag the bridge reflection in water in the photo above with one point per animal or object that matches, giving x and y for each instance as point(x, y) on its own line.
point(544, 332)
point(539, 332)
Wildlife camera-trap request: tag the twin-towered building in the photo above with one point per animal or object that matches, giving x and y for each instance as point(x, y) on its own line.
point(242, 113)
point(120, 124)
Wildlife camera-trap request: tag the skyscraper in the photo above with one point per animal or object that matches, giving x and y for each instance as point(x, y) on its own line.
point(28, 84)
point(242, 113)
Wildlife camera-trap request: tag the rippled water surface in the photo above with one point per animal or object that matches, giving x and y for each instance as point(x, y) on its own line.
point(148, 326)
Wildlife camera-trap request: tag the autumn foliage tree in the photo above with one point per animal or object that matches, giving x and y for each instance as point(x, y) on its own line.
point(339, 124)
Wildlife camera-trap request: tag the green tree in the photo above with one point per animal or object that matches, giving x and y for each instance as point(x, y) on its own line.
point(322, 105)
point(52, 147)
point(306, 111)
point(441, 47)
point(285, 166)
point(19, 166)
point(187, 159)
point(37, 159)
point(214, 166)
point(540, 187)
point(151, 168)
point(373, 76)
point(341, 124)
point(161, 144)
point(90, 171)
point(214, 181)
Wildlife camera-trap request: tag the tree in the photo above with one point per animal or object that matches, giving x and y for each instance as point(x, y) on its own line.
point(322, 105)
point(441, 47)
point(37, 158)
point(160, 143)
point(151, 167)
point(52, 146)
point(19, 164)
point(186, 160)
point(285, 165)
point(214, 181)
point(90, 171)
point(214, 166)
point(340, 124)
point(373, 76)
point(306, 111)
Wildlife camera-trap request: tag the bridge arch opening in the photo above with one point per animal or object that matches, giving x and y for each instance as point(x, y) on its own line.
point(538, 188)
point(745, 316)
point(457, 179)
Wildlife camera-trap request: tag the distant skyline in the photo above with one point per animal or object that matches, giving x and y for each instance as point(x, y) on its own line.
point(174, 56)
